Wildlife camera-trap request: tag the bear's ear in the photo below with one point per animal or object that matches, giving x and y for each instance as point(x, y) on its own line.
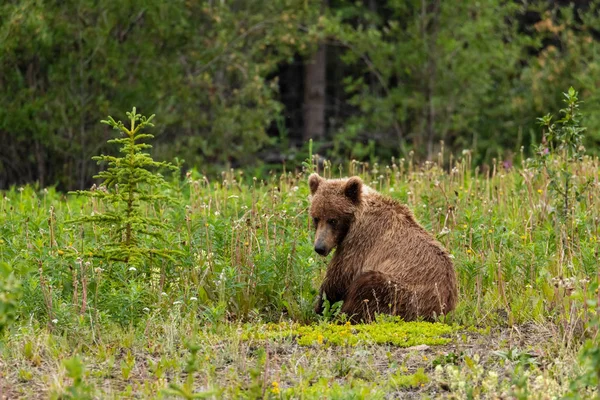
point(313, 182)
point(353, 189)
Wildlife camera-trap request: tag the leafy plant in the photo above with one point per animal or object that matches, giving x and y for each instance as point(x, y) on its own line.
point(10, 293)
point(330, 311)
point(78, 389)
point(589, 358)
point(562, 145)
point(192, 366)
point(520, 357)
point(127, 365)
point(450, 358)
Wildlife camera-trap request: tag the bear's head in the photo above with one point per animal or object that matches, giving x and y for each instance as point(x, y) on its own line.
point(333, 205)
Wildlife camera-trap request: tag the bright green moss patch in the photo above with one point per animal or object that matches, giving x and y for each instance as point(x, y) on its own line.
point(399, 381)
point(325, 388)
point(386, 331)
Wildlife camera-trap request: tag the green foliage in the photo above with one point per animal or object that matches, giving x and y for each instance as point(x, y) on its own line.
point(562, 146)
point(186, 391)
point(520, 357)
point(449, 358)
point(390, 330)
point(567, 136)
point(558, 159)
point(244, 249)
point(206, 67)
point(589, 358)
point(245, 254)
point(570, 57)
point(356, 389)
point(136, 240)
point(10, 293)
point(419, 378)
point(447, 71)
point(330, 311)
point(226, 78)
point(128, 184)
point(78, 389)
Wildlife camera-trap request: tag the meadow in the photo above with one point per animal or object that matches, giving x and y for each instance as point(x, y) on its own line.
point(204, 288)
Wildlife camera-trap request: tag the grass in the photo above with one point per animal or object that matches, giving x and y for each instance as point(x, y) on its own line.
point(231, 316)
point(140, 363)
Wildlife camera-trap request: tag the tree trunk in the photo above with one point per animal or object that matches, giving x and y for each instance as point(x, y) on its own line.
point(41, 163)
point(314, 95)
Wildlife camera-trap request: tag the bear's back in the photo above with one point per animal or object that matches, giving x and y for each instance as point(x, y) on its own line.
point(393, 242)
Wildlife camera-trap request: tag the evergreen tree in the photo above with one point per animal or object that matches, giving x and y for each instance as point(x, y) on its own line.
point(127, 183)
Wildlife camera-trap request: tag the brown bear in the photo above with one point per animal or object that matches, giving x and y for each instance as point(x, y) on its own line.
point(385, 262)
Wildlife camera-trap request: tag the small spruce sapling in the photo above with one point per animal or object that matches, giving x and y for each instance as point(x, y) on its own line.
point(128, 183)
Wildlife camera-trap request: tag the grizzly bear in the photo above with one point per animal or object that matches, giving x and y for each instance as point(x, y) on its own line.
point(385, 262)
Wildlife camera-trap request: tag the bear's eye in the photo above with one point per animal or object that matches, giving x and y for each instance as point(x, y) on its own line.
point(332, 222)
point(316, 221)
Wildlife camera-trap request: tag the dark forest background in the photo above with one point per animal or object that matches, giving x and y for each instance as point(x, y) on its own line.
point(245, 84)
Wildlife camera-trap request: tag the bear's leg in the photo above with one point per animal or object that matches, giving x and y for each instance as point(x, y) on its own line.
point(374, 292)
point(371, 293)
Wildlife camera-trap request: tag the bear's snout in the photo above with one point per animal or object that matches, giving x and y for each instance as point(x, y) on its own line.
point(325, 239)
point(321, 249)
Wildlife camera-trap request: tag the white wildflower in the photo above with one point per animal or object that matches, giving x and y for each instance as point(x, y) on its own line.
point(445, 231)
point(132, 269)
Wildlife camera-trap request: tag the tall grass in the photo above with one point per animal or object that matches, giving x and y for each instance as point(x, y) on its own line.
point(246, 246)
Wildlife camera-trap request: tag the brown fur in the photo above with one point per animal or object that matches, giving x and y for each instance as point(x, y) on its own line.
point(385, 262)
